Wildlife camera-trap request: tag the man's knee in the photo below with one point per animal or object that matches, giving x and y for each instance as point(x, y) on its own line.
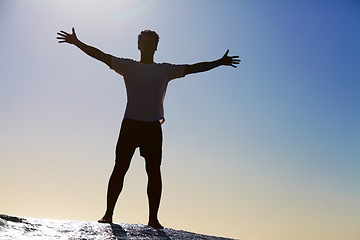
point(121, 166)
point(153, 166)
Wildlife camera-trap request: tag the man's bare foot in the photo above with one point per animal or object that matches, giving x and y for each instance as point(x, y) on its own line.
point(105, 219)
point(155, 224)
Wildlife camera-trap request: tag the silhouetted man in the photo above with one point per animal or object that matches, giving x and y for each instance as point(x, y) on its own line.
point(146, 83)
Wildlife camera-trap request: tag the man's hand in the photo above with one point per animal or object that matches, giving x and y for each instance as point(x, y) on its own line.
point(65, 37)
point(229, 60)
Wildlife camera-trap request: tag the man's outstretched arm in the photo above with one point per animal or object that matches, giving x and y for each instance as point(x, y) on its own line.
point(206, 66)
point(65, 37)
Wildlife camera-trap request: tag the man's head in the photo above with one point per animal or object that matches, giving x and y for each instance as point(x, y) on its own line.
point(148, 41)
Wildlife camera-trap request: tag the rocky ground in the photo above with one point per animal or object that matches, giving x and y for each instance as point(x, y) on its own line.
point(12, 227)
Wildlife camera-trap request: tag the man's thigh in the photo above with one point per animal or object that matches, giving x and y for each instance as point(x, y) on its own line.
point(127, 142)
point(151, 147)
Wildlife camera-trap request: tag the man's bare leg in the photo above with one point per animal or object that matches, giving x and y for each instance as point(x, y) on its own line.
point(114, 189)
point(154, 193)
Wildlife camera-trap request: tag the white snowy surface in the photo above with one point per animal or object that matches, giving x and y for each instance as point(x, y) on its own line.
point(12, 227)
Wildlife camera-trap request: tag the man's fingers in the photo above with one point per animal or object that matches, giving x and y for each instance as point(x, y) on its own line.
point(65, 37)
point(231, 60)
point(64, 32)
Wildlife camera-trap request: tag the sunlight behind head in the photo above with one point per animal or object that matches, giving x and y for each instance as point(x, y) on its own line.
point(133, 8)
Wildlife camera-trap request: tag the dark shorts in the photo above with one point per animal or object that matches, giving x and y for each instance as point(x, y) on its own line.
point(145, 135)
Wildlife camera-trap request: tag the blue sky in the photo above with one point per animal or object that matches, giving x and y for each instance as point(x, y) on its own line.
point(269, 150)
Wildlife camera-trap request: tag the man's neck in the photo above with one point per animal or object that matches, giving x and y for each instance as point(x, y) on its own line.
point(147, 59)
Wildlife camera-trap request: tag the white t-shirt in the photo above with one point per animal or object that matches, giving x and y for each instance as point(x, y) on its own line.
point(146, 86)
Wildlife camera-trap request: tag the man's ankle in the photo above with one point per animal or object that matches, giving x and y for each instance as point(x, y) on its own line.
point(155, 224)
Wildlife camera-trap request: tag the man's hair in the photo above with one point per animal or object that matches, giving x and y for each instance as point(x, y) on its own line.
point(151, 33)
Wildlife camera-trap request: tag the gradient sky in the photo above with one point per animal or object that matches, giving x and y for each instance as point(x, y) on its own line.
point(267, 151)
